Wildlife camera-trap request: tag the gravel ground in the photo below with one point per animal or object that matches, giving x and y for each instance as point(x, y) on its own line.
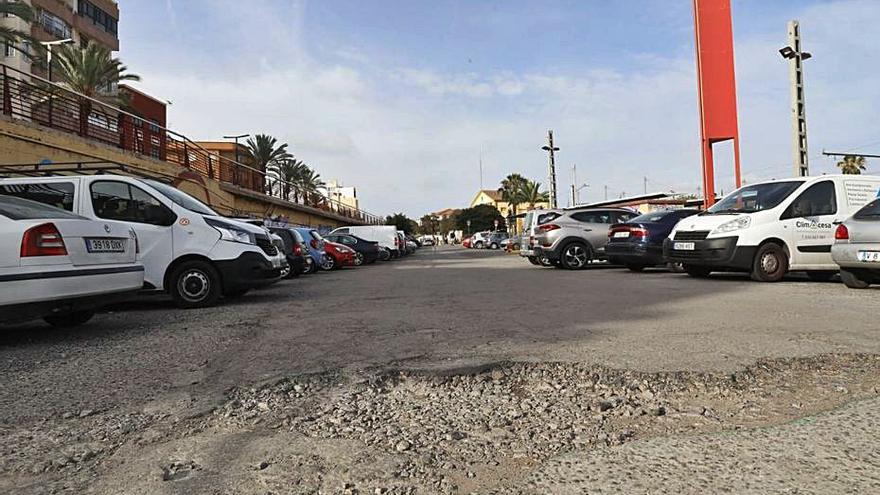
point(393, 379)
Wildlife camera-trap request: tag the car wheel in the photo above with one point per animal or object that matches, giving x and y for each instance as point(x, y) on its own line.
point(575, 256)
point(635, 267)
point(195, 284)
point(854, 280)
point(478, 245)
point(328, 263)
point(821, 276)
point(770, 264)
point(534, 260)
point(285, 271)
point(358, 259)
point(697, 271)
point(310, 266)
point(494, 245)
point(69, 320)
point(384, 254)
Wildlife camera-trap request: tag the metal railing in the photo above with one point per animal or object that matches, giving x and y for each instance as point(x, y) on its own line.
point(35, 100)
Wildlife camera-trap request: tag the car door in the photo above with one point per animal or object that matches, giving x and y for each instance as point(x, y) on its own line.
point(808, 224)
point(122, 203)
point(594, 227)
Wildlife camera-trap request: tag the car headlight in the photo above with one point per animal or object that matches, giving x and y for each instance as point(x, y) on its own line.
point(231, 233)
point(735, 224)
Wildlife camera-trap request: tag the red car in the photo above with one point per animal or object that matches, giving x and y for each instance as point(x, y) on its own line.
point(466, 242)
point(336, 256)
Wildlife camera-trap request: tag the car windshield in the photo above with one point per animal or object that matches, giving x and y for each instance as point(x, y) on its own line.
point(754, 198)
point(181, 198)
point(25, 209)
point(869, 211)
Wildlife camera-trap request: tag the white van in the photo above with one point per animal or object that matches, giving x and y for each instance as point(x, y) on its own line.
point(187, 249)
point(771, 228)
point(385, 235)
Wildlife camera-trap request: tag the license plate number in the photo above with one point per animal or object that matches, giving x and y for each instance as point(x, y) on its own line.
point(621, 235)
point(683, 246)
point(105, 245)
point(869, 256)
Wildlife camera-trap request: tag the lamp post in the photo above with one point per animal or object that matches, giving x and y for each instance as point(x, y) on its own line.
point(795, 58)
point(551, 151)
point(49, 45)
point(235, 167)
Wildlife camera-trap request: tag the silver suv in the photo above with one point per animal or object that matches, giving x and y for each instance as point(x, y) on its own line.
point(577, 236)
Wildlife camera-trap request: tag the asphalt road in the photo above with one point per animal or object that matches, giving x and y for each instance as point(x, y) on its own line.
point(443, 308)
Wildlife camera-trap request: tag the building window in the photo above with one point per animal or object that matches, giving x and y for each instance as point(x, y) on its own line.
point(55, 25)
point(99, 18)
point(9, 49)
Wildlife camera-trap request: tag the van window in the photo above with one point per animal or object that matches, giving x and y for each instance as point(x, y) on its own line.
point(181, 198)
point(57, 194)
point(114, 200)
point(750, 199)
point(343, 230)
point(818, 199)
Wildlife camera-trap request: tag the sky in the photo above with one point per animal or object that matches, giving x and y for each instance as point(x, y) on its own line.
point(402, 98)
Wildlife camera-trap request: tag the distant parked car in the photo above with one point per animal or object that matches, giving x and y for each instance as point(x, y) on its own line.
point(60, 266)
point(315, 244)
point(494, 239)
point(857, 247)
point(385, 235)
point(639, 243)
point(578, 236)
point(466, 242)
point(511, 243)
point(297, 253)
point(531, 222)
point(365, 251)
point(478, 240)
point(336, 256)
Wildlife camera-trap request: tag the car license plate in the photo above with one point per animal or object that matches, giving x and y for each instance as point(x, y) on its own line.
point(683, 246)
point(97, 245)
point(869, 256)
point(621, 235)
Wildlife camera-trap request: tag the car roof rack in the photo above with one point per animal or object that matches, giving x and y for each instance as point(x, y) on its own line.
point(49, 168)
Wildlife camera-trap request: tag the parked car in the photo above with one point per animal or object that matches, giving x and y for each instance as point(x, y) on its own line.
point(578, 236)
point(314, 243)
point(531, 221)
point(187, 249)
point(639, 243)
point(771, 228)
point(494, 239)
point(401, 243)
point(366, 252)
point(336, 256)
point(857, 247)
point(511, 243)
point(61, 267)
point(478, 240)
point(466, 242)
point(428, 241)
point(296, 251)
point(411, 247)
point(384, 235)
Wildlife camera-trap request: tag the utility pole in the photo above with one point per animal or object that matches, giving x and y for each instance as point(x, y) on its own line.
point(646, 184)
point(574, 199)
point(551, 151)
point(798, 114)
point(481, 167)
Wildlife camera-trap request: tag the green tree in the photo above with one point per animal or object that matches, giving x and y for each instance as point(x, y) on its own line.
point(449, 223)
point(512, 191)
point(429, 225)
point(482, 217)
point(91, 70)
point(532, 194)
point(402, 222)
point(310, 183)
point(852, 165)
point(264, 153)
point(13, 37)
point(286, 171)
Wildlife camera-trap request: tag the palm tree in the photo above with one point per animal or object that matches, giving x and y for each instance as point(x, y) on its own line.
point(286, 171)
point(264, 152)
point(92, 71)
point(532, 194)
point(852, 165)
point(512, 191)
point(12, 36)
point(309, 184)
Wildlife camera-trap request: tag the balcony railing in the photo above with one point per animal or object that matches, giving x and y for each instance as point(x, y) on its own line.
point(33, 99)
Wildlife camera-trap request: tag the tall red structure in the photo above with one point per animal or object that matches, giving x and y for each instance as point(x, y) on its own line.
point(716, 85)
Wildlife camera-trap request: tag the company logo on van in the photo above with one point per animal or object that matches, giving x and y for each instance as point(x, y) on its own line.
point(106, 228)
point(813, 225)
point(184, 221)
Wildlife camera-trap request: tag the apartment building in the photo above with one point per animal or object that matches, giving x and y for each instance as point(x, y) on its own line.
point(78, 20)
point(346, 195)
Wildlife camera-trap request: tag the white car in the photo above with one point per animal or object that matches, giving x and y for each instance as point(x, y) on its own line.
point(60, 266)
point(188, 250)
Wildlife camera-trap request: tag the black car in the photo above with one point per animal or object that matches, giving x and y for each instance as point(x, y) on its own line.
point(364, 251)
point(638, 243)
point(297, 254)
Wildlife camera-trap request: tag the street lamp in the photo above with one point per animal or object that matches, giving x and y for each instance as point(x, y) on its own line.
point(235, 167)
point(795, 56)
point(49, 45)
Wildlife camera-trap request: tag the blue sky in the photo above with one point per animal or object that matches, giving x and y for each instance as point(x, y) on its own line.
point(399, 97)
